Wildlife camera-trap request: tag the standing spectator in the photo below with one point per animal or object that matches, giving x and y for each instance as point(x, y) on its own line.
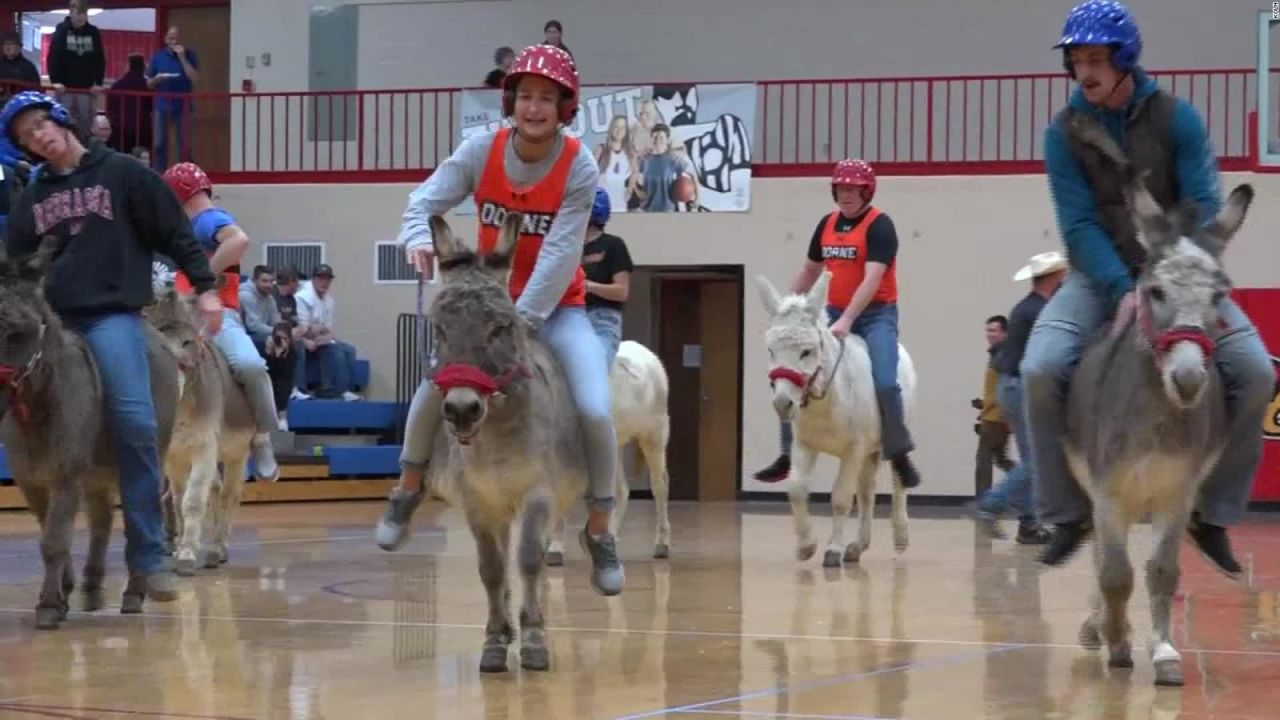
point(315, 318)
point(502, 58)
point(173, 74)
point(100, 129)
point(16, 72)
point(992, 428)
point(77, 62)
point(1017, 490)
point(129, 107)
point(553, 34)
point(608, 268)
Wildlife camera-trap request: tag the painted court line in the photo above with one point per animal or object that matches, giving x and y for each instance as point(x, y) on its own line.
point(798, 716)
point(108, 612)
point(807, 685)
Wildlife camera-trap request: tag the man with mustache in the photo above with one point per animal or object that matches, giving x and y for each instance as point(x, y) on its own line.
point(1165, 137)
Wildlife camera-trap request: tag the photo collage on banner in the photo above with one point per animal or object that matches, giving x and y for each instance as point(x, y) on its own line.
point(660, 148)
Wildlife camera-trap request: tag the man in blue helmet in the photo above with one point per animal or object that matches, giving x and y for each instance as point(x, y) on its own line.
point(1165, 136)
point(111, 213)
point(608, 268)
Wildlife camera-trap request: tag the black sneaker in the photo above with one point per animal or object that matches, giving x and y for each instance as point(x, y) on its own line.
point(1064, 541)
point(906, 471)
point(1213, 544)
point(777, 472)
point(1032, 534)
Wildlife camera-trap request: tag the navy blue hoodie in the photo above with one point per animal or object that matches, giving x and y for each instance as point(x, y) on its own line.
point(112, 214)
point(1088, 245)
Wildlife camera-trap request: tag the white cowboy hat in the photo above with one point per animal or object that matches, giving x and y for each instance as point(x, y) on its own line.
point(1041, 264)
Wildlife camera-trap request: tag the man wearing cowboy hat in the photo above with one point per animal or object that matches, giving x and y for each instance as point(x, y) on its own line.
point(1046, 272)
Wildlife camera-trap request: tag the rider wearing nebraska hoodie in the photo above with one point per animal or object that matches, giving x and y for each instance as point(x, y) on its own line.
point(109, 214)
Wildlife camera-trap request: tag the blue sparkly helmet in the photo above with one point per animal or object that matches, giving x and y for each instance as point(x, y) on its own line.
point(600, 208)
point(1102, 22)
point(27, 100)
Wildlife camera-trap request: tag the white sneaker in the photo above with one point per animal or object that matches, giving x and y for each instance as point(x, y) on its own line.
point(299, 395)
point(283, 424)
point(350, 396)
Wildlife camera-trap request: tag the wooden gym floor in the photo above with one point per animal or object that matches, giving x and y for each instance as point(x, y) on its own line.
point(311, 621)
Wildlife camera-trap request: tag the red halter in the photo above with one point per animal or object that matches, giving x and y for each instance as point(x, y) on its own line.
point(460, 375)
point(1164, 341)
point(11, 377)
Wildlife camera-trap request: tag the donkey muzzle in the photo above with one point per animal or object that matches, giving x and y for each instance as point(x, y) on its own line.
point(463, 410)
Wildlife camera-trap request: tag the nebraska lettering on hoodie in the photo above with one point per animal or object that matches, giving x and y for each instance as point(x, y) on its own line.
point(111, 214)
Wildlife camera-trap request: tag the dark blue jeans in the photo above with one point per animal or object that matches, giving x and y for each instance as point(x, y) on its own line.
point(878, 327)
point(178, 116)
point(120, 350)
point(337, 359)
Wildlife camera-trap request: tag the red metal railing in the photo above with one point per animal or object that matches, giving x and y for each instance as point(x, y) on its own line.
point(977, 124)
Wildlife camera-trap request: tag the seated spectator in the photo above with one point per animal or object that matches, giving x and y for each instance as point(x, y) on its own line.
point(16, 72)
point(502, 58)
point(287, 284)
point(129, 107)
point(262, 321)
point(315, 321)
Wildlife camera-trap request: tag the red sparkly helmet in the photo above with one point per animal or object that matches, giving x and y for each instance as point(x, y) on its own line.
point(855, 172)
point(186, 179)
point(550, 62)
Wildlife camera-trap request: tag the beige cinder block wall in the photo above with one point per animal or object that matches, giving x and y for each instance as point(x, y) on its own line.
point(961, 239)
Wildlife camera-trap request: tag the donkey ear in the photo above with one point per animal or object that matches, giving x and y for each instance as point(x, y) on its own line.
point(768, 295)
point(508, 236)
point(32, 267)
point(817, 297)
point(442, 239)
point(1229, 220)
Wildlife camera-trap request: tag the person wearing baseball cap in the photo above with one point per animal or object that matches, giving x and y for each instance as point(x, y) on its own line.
point(858, 245)
point(556, 176)
point(323, 270)
point(1046, 272)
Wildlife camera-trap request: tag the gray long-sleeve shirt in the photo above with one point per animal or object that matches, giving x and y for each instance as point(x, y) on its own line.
point(561, 252)
point(260, 313)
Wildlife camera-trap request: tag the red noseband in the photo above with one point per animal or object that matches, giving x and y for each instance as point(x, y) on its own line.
point(793, 376)
point(454, 376)
point(1166, 340)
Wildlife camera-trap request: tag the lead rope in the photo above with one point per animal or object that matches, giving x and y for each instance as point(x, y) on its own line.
point(422, 329)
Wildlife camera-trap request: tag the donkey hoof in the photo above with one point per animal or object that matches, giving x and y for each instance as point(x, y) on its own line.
point(209, 559)
point(130, 604)
point(852, 553)
point(831, 559)
point(533, 658)
point(555, 558)
point(661, 551)
point(92, 599)
point(1169, 673)
point(185, 566)
point(1121, 657)
point(494, 659)
point(48, 618)
point(1089, 637)
point(804, 552)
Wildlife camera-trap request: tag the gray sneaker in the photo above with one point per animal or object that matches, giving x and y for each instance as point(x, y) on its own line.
point(264, 460)
point(162, 586)
point(606, 572)
point(393, 528)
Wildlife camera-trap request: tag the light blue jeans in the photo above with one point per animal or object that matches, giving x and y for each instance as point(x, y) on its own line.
point(1054, 348)
point(249, 369)
point(1015, 490)
point(607, 324)
point(567, 333)
point(119, 348)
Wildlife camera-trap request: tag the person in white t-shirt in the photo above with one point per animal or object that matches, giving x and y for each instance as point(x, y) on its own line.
point(315, 319)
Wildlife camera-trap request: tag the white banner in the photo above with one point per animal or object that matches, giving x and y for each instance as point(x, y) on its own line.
point(660, 148)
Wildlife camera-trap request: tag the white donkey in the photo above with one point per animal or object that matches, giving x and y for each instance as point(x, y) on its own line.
point(824, 386)
point(638, 384)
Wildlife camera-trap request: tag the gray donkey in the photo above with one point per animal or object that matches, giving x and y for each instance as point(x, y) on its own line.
point(214, 424)
point(53, 429)
point(511, 433)
point(1146, 412)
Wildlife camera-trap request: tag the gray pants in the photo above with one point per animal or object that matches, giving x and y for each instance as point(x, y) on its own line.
point(1054, 348)
point(249, 369)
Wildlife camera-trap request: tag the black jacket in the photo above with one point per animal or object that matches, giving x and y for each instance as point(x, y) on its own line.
point(76, 56)
point(112, 214)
